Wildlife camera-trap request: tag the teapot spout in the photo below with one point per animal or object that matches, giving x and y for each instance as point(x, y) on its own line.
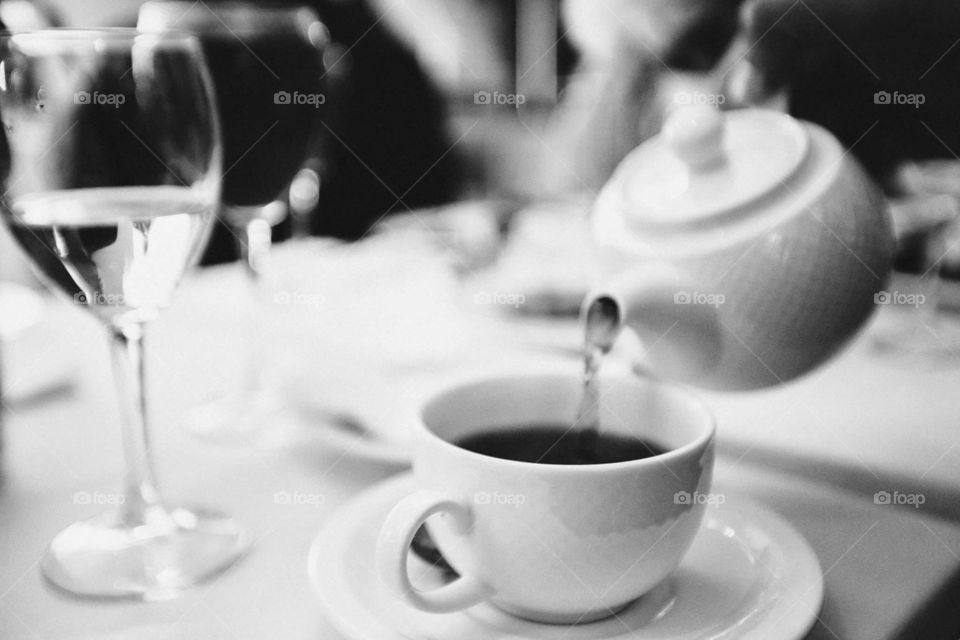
point(681, 337)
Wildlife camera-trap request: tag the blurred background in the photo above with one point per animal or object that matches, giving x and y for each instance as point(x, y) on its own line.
point(508, 102)
point(458, 155)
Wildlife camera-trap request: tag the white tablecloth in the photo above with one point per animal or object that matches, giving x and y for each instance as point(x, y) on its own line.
point(883, 564)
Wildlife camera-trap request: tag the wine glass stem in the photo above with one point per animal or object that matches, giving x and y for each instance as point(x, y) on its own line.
point(255, 249)
point(140, 492)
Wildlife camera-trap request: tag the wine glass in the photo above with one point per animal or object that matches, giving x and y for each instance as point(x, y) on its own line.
point(267, 65)
point(111, 168)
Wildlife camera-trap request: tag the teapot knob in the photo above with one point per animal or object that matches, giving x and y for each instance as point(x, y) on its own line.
point(695, 135)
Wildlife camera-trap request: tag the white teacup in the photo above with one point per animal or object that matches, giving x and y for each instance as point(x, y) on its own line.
point(547, 542)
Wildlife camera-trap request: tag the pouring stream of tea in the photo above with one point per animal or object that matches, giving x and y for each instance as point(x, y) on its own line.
point(601, 327)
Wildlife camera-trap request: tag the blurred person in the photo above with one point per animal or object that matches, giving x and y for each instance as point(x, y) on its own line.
point(879, 74)
point(382, 145)
point(632, 53)
point(390, 139)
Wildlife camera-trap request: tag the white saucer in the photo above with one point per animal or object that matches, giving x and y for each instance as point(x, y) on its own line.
point(749, 575)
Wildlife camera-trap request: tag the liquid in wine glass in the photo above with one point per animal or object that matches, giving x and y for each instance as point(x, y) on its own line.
point(118, 251)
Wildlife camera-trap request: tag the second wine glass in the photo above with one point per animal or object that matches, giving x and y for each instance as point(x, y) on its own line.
point(267, 65)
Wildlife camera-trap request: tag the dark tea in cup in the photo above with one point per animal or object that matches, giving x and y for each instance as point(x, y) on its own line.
point(549, 443)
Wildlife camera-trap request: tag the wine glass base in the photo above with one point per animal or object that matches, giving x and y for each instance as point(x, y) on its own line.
point(173, 551)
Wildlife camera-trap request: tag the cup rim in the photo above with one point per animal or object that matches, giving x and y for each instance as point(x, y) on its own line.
point(702, 440)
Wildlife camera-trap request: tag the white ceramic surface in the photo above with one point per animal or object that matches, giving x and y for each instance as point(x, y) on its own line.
point(765, 285)
point(556, 543)
point(748, 575)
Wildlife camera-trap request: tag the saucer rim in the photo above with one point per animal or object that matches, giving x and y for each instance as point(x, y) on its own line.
point(793, 624)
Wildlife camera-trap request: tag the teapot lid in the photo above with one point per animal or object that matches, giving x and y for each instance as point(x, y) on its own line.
point(706, 166)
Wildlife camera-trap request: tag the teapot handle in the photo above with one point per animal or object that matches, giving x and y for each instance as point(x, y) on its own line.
point(678, 325)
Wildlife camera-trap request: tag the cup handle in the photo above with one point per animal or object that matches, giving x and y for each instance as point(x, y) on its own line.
point(394, 543)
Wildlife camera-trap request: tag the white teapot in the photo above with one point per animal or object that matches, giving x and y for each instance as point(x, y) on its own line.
point(750, 247)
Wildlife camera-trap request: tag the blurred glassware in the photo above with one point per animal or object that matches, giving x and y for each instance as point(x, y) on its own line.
point(267, 65)
point(915, 330)
point(111, 178)
point(302, 200)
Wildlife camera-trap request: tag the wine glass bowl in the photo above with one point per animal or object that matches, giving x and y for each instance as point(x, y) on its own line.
point(267, 66)
point(96, 130)
point(111, 177)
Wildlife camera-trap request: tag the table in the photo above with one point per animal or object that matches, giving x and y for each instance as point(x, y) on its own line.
point(891, 572)
point(868, 422)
